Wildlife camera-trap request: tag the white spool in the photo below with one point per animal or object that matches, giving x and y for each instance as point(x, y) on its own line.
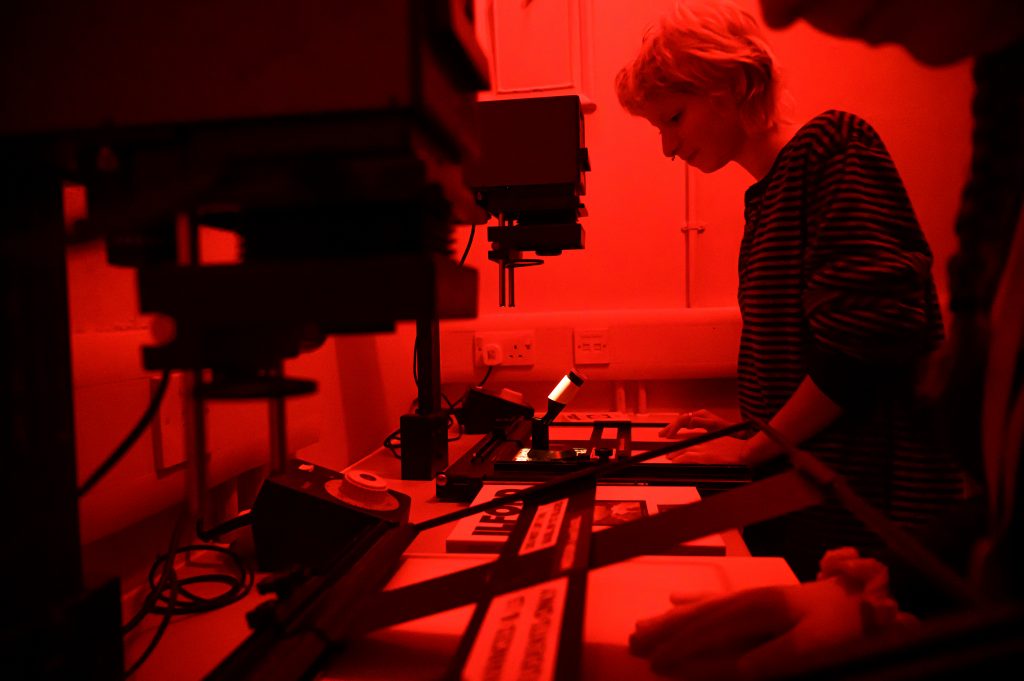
point(363, 489)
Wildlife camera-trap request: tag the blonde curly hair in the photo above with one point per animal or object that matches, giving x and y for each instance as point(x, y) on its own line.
point(705, 47)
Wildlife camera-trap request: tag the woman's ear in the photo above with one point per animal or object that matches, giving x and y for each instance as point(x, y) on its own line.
point(727, 104)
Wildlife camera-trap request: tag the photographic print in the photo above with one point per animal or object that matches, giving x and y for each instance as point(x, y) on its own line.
point(618, 511)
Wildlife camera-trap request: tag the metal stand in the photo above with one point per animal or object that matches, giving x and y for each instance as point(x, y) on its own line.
point(539, 434)
point(425, 433)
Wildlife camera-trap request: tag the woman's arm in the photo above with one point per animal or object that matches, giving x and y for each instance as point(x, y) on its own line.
point(805, 414)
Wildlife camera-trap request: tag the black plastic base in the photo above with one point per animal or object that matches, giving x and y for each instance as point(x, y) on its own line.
point(424, 445)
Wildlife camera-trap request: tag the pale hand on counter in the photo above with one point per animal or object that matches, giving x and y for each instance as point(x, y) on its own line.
point(724, 450)
point(701, 419)
point(757, 633)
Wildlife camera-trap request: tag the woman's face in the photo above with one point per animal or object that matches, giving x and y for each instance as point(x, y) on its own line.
point(706, 131)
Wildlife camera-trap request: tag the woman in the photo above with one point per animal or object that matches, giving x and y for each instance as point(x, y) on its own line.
point(838, 304)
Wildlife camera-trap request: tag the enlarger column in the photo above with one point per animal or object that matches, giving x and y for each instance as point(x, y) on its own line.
point(424, 434)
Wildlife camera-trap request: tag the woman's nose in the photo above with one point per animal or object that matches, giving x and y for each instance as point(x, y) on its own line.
point(669, 144)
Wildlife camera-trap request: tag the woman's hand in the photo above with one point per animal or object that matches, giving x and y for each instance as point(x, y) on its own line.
point(702, 420)
point(724, 450)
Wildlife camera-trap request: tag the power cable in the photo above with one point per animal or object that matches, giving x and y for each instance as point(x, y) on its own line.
point(131, 438)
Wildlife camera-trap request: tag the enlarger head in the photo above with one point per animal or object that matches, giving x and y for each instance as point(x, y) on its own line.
point(342, 186)
point(530, 175)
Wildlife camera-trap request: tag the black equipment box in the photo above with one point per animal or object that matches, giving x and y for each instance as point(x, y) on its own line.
point(305, 518)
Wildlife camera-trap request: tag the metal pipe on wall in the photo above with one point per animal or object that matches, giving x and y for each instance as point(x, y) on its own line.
point(688, 226)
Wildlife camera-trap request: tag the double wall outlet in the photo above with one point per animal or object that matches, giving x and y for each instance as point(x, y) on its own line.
point(590, 346)
point(507, 348)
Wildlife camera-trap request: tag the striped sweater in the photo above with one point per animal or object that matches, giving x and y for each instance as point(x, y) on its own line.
point(835, 283)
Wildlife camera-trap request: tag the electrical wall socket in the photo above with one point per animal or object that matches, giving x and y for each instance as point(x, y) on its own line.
point(507, 348)
point(590, 346)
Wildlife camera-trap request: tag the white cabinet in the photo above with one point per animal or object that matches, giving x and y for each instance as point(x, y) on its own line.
point(536, 47)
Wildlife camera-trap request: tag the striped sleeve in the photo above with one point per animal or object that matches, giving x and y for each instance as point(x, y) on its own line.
point(835, 284)
point(869, 300)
